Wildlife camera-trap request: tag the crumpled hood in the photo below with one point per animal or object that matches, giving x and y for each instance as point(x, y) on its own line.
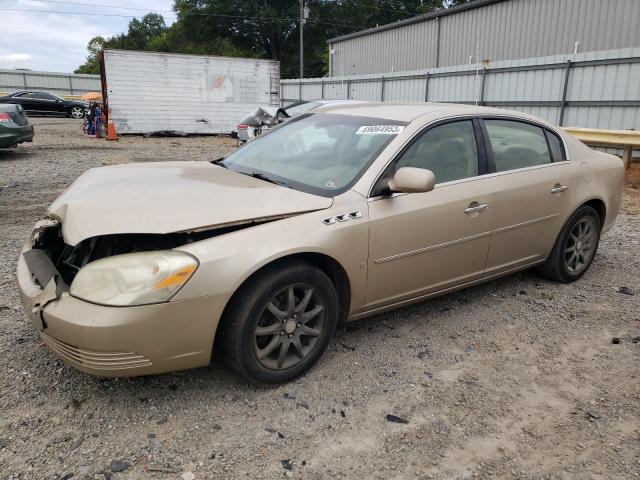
point(168, 197)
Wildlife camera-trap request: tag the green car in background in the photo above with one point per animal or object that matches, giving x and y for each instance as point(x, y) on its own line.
point(15, 126)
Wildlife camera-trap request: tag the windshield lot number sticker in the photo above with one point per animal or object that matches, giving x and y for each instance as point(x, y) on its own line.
point(379, 130)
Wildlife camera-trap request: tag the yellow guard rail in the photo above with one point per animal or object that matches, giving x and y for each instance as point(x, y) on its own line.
point(627, 139)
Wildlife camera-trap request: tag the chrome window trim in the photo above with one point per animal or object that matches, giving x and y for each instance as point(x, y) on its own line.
point(476, 178)
point(489, 116)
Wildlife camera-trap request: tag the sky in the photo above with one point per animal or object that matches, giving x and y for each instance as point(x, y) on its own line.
point(57, 42)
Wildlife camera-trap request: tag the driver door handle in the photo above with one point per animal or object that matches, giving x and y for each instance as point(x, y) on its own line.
point(475, 207)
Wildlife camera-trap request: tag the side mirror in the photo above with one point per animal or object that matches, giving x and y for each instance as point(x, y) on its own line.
point(412, 180)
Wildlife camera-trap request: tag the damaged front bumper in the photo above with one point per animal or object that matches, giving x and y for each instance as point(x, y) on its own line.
point(115, 341)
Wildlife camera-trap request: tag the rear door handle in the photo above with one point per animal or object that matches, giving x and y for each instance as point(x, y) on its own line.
point(557, 188)
point(475, 207)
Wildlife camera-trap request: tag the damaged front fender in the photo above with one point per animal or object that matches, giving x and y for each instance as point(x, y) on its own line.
point(41, 284)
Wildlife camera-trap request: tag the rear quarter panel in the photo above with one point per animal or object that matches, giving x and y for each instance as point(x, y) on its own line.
point(598, 176)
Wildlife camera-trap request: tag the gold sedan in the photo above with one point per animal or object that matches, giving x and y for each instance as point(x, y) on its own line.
point(341, 213)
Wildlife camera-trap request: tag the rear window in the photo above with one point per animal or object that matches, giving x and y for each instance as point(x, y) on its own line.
point(555, 146)
point(517, 144)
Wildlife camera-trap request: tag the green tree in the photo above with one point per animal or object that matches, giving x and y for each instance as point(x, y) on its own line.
point(142, 31)
point(140, 35)
point(259, 29)
point(92, 65)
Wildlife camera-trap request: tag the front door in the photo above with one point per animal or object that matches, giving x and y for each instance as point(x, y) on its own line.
point(533, 188)
point(425, 242)
point(47, 103)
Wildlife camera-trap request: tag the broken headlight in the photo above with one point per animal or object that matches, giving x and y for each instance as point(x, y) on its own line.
point(134, 278)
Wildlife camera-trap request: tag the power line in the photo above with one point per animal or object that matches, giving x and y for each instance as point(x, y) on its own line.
point(377, 7)
point(106, 6)
point(98, 5)
point(174, 17)
point(66, 2)
point(407, 4)
point(95, 14)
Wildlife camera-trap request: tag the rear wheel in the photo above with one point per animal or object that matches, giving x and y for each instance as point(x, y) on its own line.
point(77, 112)
point(279, 323)
point(575, 247)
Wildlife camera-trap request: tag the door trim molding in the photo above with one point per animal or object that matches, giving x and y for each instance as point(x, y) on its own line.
point(431, 248)
point(524, 224)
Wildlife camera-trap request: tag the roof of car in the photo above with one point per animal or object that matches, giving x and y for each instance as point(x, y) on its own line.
point(407, 112)
point(32, 91)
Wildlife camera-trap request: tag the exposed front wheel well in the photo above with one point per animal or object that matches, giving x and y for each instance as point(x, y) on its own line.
point(328, 265)
point(336, 273)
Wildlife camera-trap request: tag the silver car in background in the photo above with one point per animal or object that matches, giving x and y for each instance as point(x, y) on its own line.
point(263, 118)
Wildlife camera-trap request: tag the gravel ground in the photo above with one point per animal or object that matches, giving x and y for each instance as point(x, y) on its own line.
point(517, 378)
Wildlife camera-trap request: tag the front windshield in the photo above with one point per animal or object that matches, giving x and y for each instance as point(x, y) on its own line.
point(319, 153)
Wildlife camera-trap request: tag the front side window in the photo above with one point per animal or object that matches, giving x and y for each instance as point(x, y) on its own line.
point(319, 153)
point(448, 150)
point(517, 144)
point(45, 96)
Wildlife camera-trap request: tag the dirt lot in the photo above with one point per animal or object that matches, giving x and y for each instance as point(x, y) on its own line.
point(517, 378)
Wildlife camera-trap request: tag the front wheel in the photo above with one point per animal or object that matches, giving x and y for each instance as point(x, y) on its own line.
point(278, 325)
point(575, 247)
point(77, 112)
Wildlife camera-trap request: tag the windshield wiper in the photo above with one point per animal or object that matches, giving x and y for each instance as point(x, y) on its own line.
point(262, 176)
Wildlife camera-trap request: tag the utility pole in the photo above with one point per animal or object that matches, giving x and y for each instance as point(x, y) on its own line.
point(301, 39)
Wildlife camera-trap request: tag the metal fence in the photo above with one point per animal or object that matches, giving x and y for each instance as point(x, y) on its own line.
point(60, 83)
point(592, 89)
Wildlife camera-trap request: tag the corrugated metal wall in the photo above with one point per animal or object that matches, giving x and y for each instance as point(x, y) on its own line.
point(60, 83)
point(189, 93)
point(401, 49)
point(509, 29)
point(602, 88)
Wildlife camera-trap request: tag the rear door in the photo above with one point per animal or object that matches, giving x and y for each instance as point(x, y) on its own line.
point(27, 100)
point(47, 103)
point(533, 186)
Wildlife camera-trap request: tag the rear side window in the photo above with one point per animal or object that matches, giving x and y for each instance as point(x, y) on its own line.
point(517, 144)
point(448, 150)
point(555, 146)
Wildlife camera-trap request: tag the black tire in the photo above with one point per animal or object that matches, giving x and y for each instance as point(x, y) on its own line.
point(250, 328)
point(561, 264)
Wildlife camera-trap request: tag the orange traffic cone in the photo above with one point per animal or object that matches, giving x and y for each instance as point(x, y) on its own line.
point(111, 129)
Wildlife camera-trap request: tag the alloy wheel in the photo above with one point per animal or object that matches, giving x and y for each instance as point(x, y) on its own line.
point(77, 112)
point(580, 247)
point(289, 327)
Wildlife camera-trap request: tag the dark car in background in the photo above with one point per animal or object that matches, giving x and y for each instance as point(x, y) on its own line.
point(46, 103)
point(15, 126)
